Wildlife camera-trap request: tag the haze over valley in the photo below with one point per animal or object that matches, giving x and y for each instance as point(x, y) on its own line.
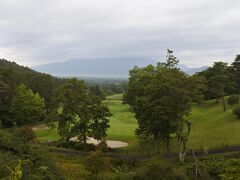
point(102, 67)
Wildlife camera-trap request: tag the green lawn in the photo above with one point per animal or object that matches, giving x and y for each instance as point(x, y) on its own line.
point(47, 135)
point(211, 127)
point(123, 122)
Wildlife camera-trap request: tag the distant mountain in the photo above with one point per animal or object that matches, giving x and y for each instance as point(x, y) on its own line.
point(100, 67)
point(191, 70)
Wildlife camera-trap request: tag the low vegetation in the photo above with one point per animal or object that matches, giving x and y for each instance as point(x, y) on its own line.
point(19, 159)
point(236, 112)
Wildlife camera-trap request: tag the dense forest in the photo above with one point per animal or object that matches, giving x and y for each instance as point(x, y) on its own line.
point(161, 97)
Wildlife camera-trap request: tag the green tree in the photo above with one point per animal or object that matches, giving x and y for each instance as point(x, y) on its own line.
point(26, 106)
point(79, 113)
point(161, 97)
point(95, 90)
point(5, 119)
point(235, 69)
point(219, 81)
point(99, 122)
point(71, 100)
point(171, 60)
point(198, 86)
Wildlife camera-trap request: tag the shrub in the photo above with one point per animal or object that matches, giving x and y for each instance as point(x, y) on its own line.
point(77, 146)
point(95, 163)
point(20, 159)
point(25, 132)
point(236, 111)
point(130, 162)
point(156, 170)
point(222, 166)
point(102, 146)
point(234, 99)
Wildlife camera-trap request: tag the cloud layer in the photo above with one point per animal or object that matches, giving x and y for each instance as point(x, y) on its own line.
point(38, 32)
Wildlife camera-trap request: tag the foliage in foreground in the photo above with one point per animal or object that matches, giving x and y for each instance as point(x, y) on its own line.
point(233, 99)
point(21, 160)
point(224, 167)
point(236, 111)
point(211, 167)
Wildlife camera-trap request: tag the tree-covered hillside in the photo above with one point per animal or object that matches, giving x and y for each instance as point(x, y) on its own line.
point(12, 75)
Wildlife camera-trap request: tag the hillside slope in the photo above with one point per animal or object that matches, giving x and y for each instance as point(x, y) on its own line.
point(212, 127)
point(13, 74)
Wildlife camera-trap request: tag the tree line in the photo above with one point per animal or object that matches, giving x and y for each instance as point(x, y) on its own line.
point(161, 97)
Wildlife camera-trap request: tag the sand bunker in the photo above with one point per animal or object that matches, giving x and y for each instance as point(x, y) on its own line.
point(110, 143)
point(90, 140)
point(40, 127)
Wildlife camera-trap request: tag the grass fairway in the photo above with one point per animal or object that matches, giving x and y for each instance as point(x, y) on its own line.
point(47, 135)
point(211, 127)
point(123, 122)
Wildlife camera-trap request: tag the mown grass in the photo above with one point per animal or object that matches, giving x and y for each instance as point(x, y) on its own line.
point(47, 135)
point(123, 122)
point(211, 127)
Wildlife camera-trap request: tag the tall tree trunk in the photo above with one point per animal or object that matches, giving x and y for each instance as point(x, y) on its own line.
point(182, 143)
point(67, 139)
point(224, 104)
point(84, 137)
point(168, 150)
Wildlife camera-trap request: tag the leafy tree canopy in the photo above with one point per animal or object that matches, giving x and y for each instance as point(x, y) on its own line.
point(27, 107)
point(79, 113)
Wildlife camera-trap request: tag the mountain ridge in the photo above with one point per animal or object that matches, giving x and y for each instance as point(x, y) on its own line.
point(102, 67)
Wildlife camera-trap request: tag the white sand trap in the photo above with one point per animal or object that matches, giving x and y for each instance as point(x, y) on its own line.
point(90, 140)
point(110, 143)
point(40, 127)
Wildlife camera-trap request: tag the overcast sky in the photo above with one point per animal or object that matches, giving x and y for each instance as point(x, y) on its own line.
point(200, 32)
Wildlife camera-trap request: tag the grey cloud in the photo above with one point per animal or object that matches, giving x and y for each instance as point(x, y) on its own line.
point(36, 32)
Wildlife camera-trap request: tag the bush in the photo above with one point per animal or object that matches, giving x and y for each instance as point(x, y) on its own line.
point(102, 146)
point(236, 111)
point(95, 163)
point(130, 162)
point(234, 99)
point(25, 132)
point(156, 170)
point(223, 166)
point(19, 159)
point(77, 146)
